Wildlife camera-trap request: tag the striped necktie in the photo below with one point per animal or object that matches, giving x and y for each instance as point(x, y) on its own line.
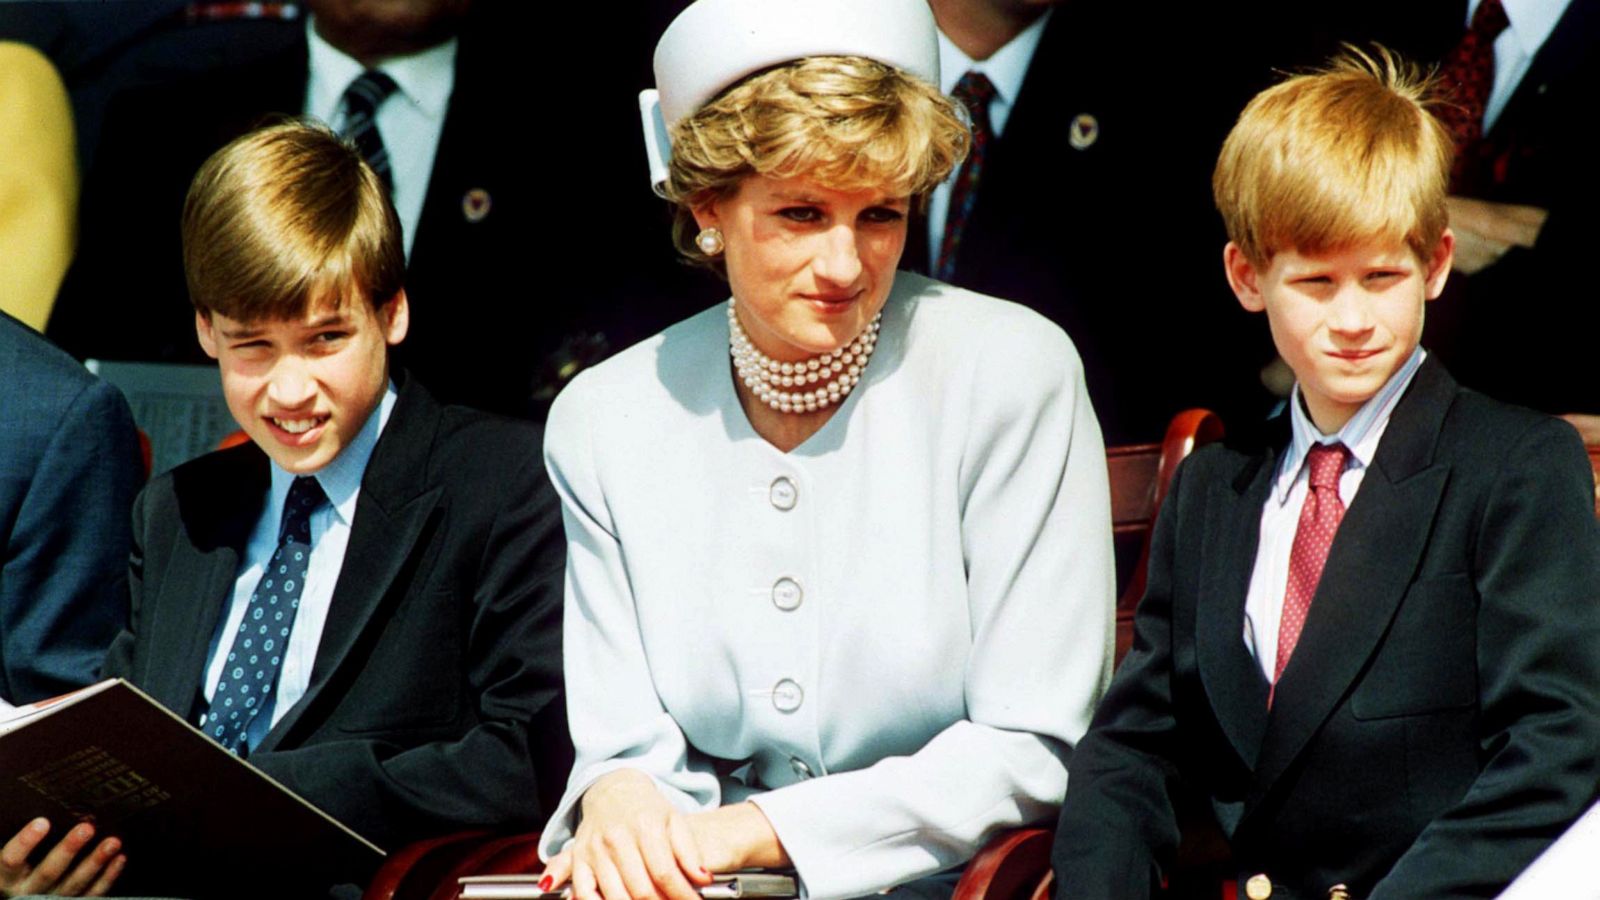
point(361, 102)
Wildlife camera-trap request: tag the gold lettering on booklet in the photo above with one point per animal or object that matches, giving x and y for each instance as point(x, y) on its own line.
point(93, 782)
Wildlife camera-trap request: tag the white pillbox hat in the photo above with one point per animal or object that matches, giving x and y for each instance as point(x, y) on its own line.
point(715, 43)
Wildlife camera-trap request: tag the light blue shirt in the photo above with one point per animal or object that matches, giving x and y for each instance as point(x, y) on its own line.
point(410, 121)
point(330, 534)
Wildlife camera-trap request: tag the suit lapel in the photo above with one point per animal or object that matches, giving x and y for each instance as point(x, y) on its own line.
point(1233, 681)
point(218, 506)
point(1373, 560)
point(398, 493)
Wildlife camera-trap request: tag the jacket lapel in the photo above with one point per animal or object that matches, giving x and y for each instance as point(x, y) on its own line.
point(1373, 560)
point(1233, 682)
point(217, 511)
point(398, 492)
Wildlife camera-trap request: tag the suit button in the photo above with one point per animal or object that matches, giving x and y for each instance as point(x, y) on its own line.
point(787, 696)
point(1339, 892)
point(803, 771)
point(783, 494)
point(1258, 887)
point(786, 594)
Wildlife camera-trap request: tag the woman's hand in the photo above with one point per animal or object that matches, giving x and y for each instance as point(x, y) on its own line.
point(56, 874)
point(632, 843)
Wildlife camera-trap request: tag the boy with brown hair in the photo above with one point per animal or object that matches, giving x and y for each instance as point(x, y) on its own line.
point(364, 600)
point(1369, 645)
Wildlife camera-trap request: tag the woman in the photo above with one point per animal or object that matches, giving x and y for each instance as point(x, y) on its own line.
point(842, 602)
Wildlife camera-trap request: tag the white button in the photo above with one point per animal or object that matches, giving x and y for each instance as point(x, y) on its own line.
point(786, 594)
point(783, 494)
point(787, 696)
point(801, 770)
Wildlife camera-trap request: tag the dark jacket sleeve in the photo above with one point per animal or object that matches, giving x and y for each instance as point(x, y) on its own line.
point(493, 773)
point(1118, 828)
point(1536, 569)
point(62, 595)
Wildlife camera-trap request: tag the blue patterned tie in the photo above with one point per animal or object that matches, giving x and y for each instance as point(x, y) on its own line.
point(361, 101)
point(246, 687)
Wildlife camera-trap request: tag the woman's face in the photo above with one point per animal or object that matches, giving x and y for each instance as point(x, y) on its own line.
point(809, 266)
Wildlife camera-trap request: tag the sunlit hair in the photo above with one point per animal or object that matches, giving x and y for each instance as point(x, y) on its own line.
point(284, 217)
point(847, 122)
point(1335, 158)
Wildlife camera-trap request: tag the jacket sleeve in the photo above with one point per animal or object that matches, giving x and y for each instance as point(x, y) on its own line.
point(1036, 539)
point(1118, 828)
point(1536, 569)
point(486, 775)
point(616, 718)
point(62, 593)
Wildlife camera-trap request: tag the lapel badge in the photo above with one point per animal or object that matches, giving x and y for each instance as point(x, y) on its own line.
point(1083, 132)
point(475, 205)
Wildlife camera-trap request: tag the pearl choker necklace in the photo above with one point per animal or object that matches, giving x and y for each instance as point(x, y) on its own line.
point(833, 374)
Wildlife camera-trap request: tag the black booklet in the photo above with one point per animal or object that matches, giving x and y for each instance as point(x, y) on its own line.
point(195, 820)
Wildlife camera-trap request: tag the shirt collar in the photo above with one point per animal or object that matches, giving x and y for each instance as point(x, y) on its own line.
point(341, 478)
point(1532, 21)
point(1361, 434)
point(424, 79)
point(1006, 68)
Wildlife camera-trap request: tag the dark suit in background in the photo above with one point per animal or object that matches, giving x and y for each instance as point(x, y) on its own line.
point(69, 468)
point(1436, 727)
point(435, 698)
point(1116, 239)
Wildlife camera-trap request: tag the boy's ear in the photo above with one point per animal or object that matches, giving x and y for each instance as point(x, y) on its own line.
point(1243, 278)
point(395, 318)
point(1444, 256)
point(203, 331)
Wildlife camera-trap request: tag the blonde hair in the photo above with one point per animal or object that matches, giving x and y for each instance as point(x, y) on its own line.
point(1344, 155)
point(284, 216)
point(850, 123)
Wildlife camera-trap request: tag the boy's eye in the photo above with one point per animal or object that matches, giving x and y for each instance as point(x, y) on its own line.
point(1382, 277)
point(329, 337)
point(801, 213)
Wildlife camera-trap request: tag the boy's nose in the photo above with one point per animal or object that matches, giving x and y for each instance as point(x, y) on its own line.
point(291, 384)
point(838, 261)
point(1349, 312)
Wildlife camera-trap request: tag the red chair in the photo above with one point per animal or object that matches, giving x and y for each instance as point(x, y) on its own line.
point(1140, 474)
point(1014, 865)
point(428, 870)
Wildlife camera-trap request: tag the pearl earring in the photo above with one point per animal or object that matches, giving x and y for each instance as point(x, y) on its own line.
point(709, 240)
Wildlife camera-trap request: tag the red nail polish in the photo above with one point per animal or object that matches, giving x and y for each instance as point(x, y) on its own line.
point(546, 883)
point(704, 871)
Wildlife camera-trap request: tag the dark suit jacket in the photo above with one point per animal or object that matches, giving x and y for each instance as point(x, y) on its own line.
point(480, 335)
point(1116, 241)
point(69, 467)
point(434, 702)
point(1437, 724)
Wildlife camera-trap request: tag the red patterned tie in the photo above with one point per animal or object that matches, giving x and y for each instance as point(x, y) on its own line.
point(1468, 76)
point(976, 92)
point(1319, 520)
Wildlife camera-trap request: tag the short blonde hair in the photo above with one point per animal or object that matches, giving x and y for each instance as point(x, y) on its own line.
point(284, 216)
point(850, 123)
point(1337, 157)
